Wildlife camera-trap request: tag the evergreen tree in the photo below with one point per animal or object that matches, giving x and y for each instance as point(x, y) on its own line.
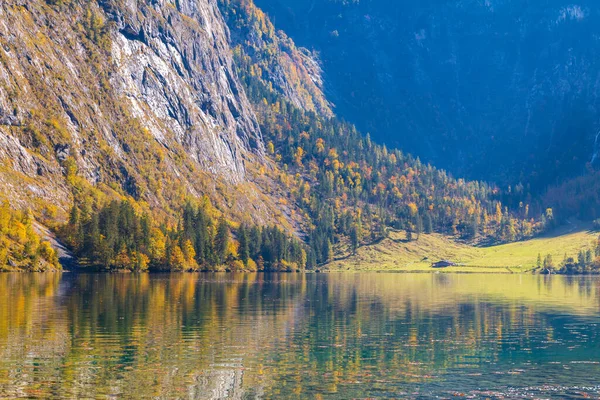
point(588, 257)
point(244, 250)
point(255, 243)
point(581, 259)
point(419, 226)
point(222, 240)
point(327, 251)
point(428, 224)
point(354, 238)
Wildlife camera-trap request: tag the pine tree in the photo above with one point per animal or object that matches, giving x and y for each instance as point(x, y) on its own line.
point(311, 262)
point(428, 225)
point(255, 242)
point(91, 242)
point(74, 216)
point(588, 257)
point(222, 240)
point(581, 259)
point(328, 251)
point(244, 250)
point(74, 234)
point(354, 238)
point(419, 226)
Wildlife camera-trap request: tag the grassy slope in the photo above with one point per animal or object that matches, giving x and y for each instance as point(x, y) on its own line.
point(395, 254)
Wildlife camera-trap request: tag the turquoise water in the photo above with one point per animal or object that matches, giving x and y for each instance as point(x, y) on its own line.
point(329, 336)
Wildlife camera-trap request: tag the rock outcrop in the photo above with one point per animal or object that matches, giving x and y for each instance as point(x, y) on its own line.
point(173, 63)
point(138, 96)
point(293, 72)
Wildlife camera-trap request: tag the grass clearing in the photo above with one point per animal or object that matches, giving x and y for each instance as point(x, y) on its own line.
point(396, 254)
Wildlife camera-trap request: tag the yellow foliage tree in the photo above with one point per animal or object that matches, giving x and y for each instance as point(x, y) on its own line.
point(189, 255)
point(177, 259)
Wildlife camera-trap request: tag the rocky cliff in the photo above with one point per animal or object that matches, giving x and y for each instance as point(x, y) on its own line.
point(173, 64)
point(142, 98)
point(138, 97)
point(293, 72)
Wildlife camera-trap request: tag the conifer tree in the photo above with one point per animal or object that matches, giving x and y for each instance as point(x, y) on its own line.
point(221, 240)
point(428, 224)
point(244, 249)
point(354, 238)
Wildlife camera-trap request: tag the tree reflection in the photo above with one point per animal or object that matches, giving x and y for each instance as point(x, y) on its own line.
point(291, 335)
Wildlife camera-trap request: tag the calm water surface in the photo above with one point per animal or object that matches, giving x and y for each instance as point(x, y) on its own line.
point(339, 336)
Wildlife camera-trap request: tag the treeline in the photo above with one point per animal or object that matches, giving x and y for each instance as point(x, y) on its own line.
point(586, 262)
point(21, 247)
point(352, 190)
point(117, 236)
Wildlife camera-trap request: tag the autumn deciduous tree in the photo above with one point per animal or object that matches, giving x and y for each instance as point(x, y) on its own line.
point(177, 259)
point(21, 246)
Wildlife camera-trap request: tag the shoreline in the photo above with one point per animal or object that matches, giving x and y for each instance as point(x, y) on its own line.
point(336, 271)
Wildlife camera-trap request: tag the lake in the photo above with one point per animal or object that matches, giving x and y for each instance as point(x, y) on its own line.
point(278, 336)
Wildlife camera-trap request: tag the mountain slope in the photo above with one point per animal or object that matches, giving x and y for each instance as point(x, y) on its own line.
point(350, 188)
point(133, 113)
point(498, 90)
point(270, 55)
point(139, 97)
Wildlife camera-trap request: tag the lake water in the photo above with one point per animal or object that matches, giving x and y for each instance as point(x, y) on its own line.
point(321, 336)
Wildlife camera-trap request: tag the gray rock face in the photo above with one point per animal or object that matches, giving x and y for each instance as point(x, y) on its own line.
point(173, 63)
point(142, 94)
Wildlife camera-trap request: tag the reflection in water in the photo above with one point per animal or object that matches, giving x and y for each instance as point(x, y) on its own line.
point(210, 336)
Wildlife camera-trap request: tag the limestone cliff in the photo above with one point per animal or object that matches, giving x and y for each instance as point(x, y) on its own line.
point(140, 96)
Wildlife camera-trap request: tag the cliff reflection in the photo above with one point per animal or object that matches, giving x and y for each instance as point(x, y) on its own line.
point(207, 336)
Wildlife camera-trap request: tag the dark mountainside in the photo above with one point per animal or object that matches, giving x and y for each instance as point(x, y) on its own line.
point(499, 90)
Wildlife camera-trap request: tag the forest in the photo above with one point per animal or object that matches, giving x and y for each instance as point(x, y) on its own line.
point(119, 237)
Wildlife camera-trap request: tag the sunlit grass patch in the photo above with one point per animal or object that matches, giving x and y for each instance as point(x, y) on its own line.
point(397, 254)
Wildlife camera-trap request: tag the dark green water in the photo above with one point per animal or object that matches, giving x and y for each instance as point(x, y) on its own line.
point(340, 336)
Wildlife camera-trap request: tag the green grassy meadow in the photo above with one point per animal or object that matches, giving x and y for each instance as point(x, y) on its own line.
point(396, 254)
